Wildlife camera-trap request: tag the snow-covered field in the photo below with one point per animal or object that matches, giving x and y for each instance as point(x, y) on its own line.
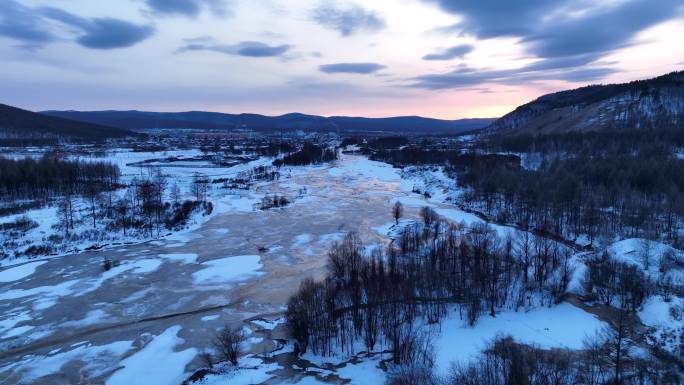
point(148, 318)
point(560, 326)
point(132, 165)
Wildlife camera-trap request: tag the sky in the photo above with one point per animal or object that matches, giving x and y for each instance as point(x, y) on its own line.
point(447, 59)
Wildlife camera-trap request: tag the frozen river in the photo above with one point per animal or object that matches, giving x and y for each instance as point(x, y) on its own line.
point(65, 320)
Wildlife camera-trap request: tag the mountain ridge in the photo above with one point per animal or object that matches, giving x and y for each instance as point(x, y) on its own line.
point(141, 120)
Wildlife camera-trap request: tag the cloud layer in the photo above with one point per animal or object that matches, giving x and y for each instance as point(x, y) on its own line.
point(245, 48)
point(347, 19)
point(467, 77)
point(188, 8)
point(29, 26)
point(351, 68)
point(563, 34)
point(450, 53)
point(22, 24)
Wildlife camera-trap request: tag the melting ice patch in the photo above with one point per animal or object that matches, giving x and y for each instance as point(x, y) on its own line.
point(97, 360)
point(412, 202)
point(366, 168)
point(301, 239)
point(240, 204)
point(58, 290)
point(230, 269)
point(142, 266)
point(8, 323)
point(170, 367)
point(91, 318)
point(326, 238)
point(19, 272)
point(268, 325)
point(183, 258)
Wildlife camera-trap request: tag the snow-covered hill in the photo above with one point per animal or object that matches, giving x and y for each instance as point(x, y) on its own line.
point(652, 103)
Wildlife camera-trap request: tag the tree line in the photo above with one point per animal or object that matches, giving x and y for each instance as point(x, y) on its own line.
point(596, 184)
point(631, 195)
point(50, 176)
point(148, 206)
point(244, 179)
point(308, 154)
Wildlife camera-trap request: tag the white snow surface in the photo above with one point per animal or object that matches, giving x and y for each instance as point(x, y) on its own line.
point(655, 311)
point(250, 370)
point(633, 251)
point(91, 318)
point(301, 239)
point(158, 363)
point(228, 270)
point(369, 169)
point(563, 325)
point(268, 325)
point(140, 266)
point(666, 318)
point(459, 216)
point(19, 272)
point(8, 324)
point(180, 257)
point(97, 359)
point(363, 373)
point(58, 290)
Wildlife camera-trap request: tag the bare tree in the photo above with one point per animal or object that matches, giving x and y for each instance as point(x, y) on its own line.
point(228, 342)
point(159, 181)
point(397, 211)
point(93, 192)
point(429, 216)
point(645, 253)
point(611, 350)
point(619, 345)
point(147, 198)
point(523, 251)
point(124, 210)
point(200, 187)
point(65, 209)
point(175, 194)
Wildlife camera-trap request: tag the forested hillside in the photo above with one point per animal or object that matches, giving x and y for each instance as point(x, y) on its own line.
point(621, 179)
point(17, 125)
point(644, 104)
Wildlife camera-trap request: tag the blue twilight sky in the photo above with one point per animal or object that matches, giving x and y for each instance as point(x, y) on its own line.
point(440, 58)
